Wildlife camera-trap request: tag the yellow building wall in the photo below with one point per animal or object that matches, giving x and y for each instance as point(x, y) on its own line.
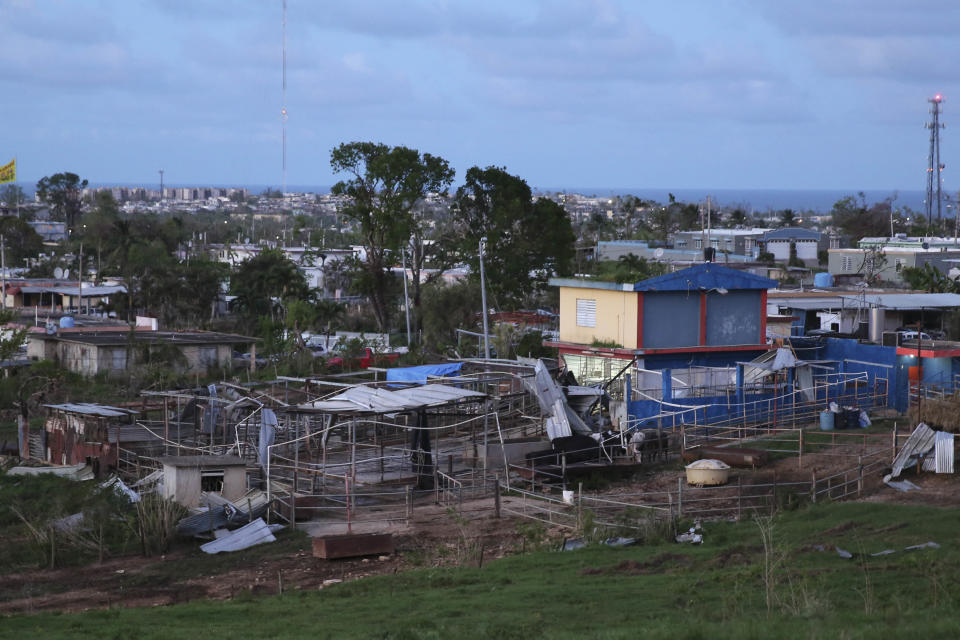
point(616, 316)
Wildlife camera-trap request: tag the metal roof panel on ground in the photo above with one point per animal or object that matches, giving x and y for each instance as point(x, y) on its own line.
point(920, 442)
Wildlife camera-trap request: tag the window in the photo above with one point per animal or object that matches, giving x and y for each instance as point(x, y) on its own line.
point(118, 359)
point(208, 356)
point(899, 264)
point(586, 312)
point(846, 263)
point(211, 480)
point(699, 243)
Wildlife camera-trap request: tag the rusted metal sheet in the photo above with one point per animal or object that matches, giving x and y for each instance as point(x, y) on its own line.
point(734, 456)
point(352, 545)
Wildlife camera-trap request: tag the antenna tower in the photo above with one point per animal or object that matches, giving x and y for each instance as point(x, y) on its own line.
point(934, 166)
point(283, 98)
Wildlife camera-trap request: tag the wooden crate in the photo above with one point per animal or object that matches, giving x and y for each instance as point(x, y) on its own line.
point(352, 545)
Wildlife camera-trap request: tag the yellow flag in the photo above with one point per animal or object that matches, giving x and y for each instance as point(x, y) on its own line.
point(8, 172)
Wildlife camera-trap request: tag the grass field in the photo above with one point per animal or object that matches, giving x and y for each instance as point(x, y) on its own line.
point(732, 586)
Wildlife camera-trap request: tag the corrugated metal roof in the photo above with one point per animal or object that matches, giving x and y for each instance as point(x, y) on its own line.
point(808, 304)
point(89, 409)
point(708, 275)
point(368, 400)
point(904, 301)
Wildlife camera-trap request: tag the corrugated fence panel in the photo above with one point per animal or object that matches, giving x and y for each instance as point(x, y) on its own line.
point(944, 451)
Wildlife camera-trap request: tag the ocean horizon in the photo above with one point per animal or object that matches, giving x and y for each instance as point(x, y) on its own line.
point(750, 200)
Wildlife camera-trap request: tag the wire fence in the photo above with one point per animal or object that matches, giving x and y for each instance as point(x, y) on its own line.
point(632, 511)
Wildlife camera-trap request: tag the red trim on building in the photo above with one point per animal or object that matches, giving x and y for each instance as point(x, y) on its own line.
point(929, 353)
point(639, 319)
point(703, 319)
point(582, 349)
point(706, 349)
point(763, 315)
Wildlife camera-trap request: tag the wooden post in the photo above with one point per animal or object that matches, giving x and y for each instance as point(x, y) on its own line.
point(346, 488)
point(496, 497)
point(800, 454)
point(166, 426)
point(679, 497)
point(409, 500)
point(894, 441)
point(859, 476)
point(450, 465)
point(813, 487)
point(381, 460)
point(579, 504)
point(739, 496)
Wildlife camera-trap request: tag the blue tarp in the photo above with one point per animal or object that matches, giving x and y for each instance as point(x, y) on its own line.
point(418, 375)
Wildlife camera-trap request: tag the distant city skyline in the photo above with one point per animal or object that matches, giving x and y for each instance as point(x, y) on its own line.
point(735, 95)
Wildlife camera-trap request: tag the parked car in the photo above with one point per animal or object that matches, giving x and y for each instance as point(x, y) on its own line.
point(912, 335)
point(369, 358)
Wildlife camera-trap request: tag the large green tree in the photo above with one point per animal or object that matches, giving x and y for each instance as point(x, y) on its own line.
point(527, 240)
point(20, 240)
point(263, 283)
point(384, 185)
point(62, 192)
point(857, 220)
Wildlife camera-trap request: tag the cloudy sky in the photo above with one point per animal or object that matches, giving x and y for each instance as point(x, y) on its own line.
point(788, 94)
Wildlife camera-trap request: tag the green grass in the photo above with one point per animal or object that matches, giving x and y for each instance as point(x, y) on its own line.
point(660, 591)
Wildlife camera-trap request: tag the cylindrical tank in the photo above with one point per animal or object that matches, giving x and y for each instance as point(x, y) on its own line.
point(826, 420)
point(876, 324)
point(823, 280)
point(66, 322)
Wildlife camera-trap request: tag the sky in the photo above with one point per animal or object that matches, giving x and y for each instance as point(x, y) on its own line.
point(728, 94)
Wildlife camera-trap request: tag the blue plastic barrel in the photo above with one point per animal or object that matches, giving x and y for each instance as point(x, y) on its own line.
point(66, 322)
point(826, 420)
point(822, 280)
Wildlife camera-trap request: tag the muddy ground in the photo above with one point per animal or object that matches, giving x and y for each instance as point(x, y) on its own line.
point(436, 536)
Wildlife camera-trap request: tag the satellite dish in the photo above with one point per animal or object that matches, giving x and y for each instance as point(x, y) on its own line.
point(58, 273)
point(66, 273)
point(658, 254)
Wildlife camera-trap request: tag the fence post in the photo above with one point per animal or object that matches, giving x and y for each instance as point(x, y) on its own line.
point(859, 476)
point(679, 497)
point(739, 496)
point(496, 496)
point(894, 441)
point(409, 501)
point(800, 454)
point(813, 487)
point(773, 495)
point(579, 505)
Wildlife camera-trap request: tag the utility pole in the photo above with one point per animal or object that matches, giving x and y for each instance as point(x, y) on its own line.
point(161, 184)
point(3, 268)
point(483, 300)
point(80, 282)
point(406, 296)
